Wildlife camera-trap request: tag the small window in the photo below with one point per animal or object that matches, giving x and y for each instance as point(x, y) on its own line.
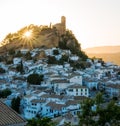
point(71, 90)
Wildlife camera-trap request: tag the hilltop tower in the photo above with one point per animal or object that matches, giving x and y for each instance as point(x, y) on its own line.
point(61, 27)
point(63, 23)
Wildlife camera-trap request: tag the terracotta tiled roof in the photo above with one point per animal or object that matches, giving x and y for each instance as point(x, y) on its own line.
point(38, 101)
point(76, 86)
point(55, 106)
point(8, 117)
point(51, 96)
point(60, 81)
point(117, 86)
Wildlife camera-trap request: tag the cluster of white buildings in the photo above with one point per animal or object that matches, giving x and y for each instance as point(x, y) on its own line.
point(62, 89)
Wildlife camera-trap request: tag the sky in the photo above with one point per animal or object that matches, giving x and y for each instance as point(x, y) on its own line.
point(93, 22)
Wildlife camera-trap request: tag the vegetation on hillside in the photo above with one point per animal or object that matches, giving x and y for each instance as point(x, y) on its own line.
point(35, 78)
point(102, 114)
point(4, 93)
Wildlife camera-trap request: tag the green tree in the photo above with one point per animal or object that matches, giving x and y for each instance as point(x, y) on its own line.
point(15, 104)
point(18, 54)
point(20, 68)
point(86, 115)
point(40, 122)
point(11, 52)
point(35, 79)
point(52, 60)
point(67, 124)
point(118, 73)
point(63, 59)
point(99, 98)
point(28, 56)
point(110, 115)
point(55, 52)
point(2, 70)
point(4, 93)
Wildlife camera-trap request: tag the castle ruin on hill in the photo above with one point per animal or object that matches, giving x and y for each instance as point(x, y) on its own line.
point(61, 27)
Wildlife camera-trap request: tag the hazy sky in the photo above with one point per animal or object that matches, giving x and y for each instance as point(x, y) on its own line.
point(94, 22)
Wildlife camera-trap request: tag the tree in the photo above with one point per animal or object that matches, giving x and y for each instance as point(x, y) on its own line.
point(5, 93)
point(52, 60)
point(15, 104)
point(110, 115)
point(19, 54)
point(63, 59)
point(99, 98)
point(20, 68)
point(41, 122)
point(28, 56)
point(67, 124)
point(35, 79)
point(86, 115)
point(11, 52)
point(118, 73)
point(55, 52)
point(2, 70)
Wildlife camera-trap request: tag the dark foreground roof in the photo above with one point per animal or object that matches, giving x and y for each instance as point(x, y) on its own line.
point(8, 117)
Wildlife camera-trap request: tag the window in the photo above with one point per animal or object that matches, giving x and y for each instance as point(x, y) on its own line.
point(77, 90)
point(71, 90)
point(81, 89)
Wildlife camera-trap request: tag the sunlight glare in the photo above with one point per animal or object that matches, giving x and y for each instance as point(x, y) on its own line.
point(27, 34)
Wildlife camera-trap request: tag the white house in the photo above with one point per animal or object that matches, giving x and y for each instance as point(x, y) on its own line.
point(91, 83)
point(35, 107)
point(76, 79)
point(77, 90)
point(60, 85)
point(113, 90)
point(24, 51)
point(52, 97)
point(72, 105)
point(17, 61)
point(74, 58)
point(53, 109)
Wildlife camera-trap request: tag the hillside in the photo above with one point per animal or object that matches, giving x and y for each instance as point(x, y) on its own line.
point(40, 36)
point(33, 36)
point(107, 53)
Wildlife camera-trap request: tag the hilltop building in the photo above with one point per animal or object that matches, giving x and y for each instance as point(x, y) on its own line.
point(61, 27)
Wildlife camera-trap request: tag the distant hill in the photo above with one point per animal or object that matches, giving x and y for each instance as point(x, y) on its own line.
point(107, 53)
point(103, 49)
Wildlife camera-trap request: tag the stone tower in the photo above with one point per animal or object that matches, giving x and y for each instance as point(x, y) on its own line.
point(63, 24)
point(61, 27)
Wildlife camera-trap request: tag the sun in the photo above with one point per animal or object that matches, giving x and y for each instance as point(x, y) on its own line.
point(27, 34)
